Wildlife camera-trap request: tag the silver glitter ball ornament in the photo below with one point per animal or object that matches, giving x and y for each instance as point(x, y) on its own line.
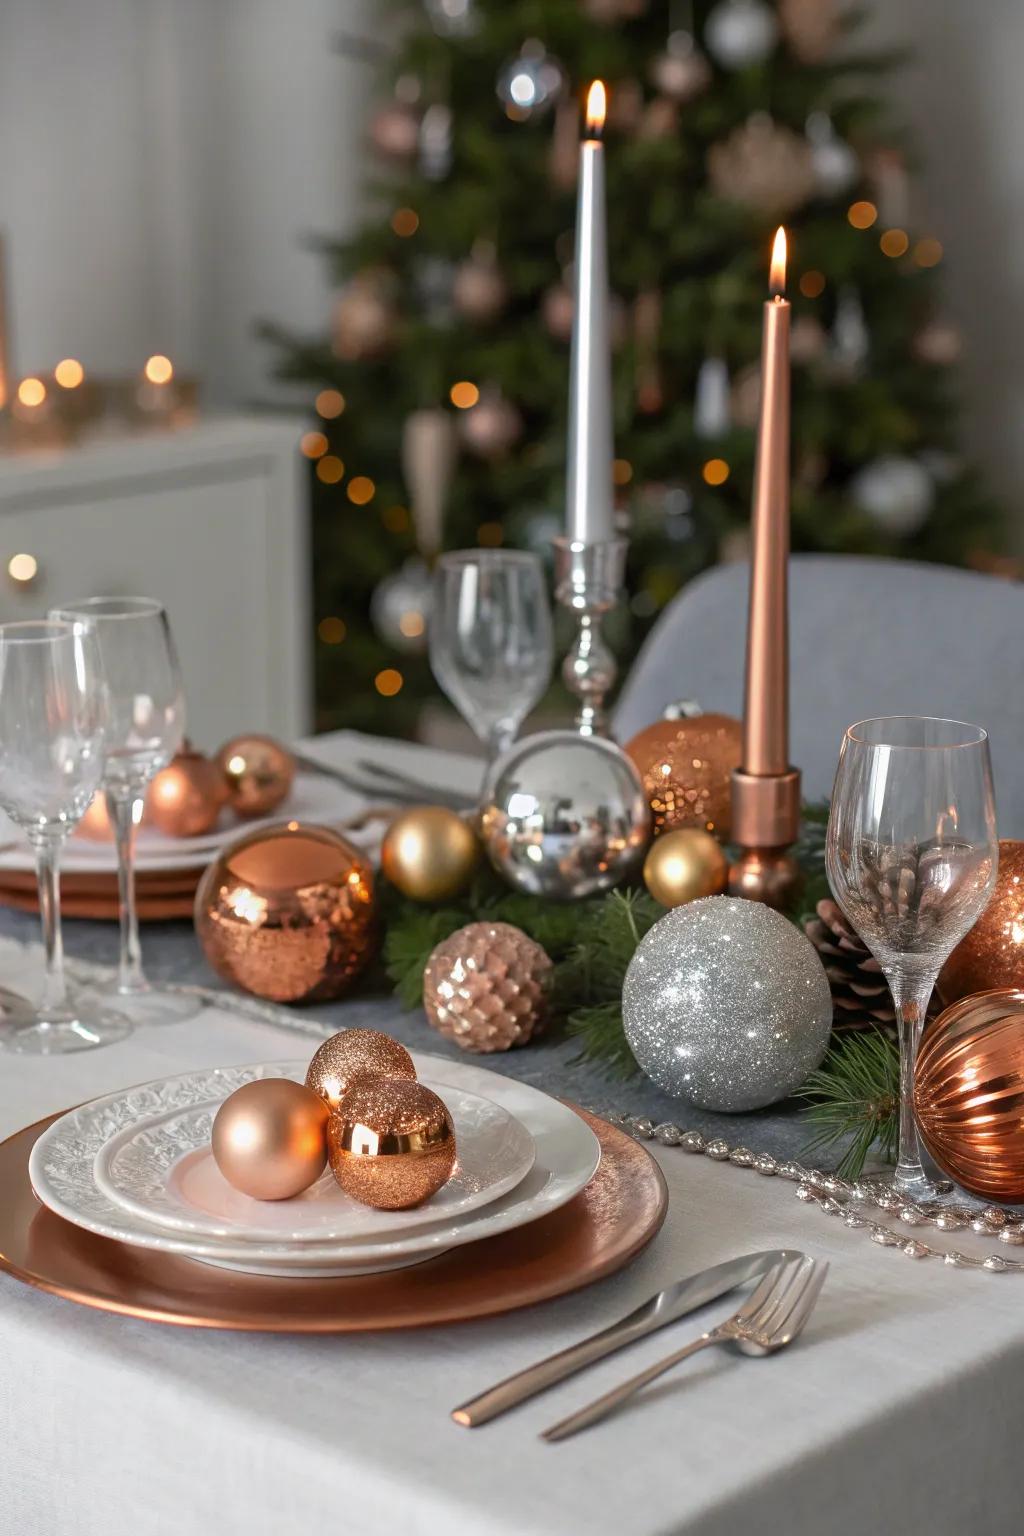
point(565, 815)
point(726, 1004)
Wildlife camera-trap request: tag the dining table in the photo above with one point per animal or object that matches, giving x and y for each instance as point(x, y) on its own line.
point(897, 1410)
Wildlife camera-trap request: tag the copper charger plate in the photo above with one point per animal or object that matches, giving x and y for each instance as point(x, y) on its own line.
point(160, 895)
point(595, 1234)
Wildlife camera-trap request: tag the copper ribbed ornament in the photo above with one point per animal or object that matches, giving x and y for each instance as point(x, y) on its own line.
point(269, 1138)
point(992, 954)
point(259, 772)
point(686, 767)
point(486, 987)
point(391, 1144)
point(969, 1093)
point(356, 1056)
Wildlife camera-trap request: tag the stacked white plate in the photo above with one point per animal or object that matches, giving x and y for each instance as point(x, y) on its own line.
point(136, 1166)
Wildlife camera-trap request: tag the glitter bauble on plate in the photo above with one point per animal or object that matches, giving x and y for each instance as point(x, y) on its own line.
point(185, 798)
point(564, 815)
point(685, 866)
point(258, 772)
point(287, 912)
point(356, 1056)
point(391, 1144)
point(992, 954)
point(725, 1004)
point(969, 1093)
point(269, 1138)
point(429, 853)
point(686, 767)
point(486, 987)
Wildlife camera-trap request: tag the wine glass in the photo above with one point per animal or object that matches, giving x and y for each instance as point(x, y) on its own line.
point(51, 758)
point(145, 727)
point(490, 639)
point(911, 856)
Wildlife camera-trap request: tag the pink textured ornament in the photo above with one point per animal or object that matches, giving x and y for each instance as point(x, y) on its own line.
point(486, 987)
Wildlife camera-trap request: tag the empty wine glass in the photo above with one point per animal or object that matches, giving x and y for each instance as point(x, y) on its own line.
point(490, 639)
point(51, 758)
point(911, 856)
point(145, 726)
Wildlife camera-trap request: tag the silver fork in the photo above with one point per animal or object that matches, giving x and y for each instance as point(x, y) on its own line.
point(772, 1317)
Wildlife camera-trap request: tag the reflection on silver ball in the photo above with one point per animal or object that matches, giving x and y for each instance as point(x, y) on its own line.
point(565, 815)
point(726, 1004)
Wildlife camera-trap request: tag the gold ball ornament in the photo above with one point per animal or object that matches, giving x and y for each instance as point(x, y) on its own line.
point(686, 767)
point(429, 853)
point(391, 1144)
point(270, 1138)
point(186, 798)
point(685, 865)
point(353, 1057)
point(487, 986)
point(992, 954)
point(288, 912)
point(259, 773)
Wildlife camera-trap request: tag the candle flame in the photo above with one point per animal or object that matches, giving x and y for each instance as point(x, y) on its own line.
point(777, 279)
point(596, 108)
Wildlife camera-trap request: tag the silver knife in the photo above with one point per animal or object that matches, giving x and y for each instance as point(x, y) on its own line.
point(666, 1306)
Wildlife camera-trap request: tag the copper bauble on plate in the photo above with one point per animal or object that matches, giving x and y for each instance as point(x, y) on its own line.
point(969, 1093)
point(185, 798)
point(259, 773)
point(355, 1056)
point(270, 1138)
point(288, 912)
point(686, 767)
point(96, 825)
point(992, 954)
point(429, 853)
point(391, 1144)
point(685, 865)
point(486, 987)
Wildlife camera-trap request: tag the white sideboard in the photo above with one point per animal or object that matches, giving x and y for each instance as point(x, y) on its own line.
point(213, 521)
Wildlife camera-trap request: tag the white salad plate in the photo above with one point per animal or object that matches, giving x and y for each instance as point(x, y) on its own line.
point(62, 1164)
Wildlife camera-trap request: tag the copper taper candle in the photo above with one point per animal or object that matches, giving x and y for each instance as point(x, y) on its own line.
point(765, 789)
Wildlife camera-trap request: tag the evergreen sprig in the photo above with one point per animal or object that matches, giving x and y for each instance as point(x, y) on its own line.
point(853, 1099)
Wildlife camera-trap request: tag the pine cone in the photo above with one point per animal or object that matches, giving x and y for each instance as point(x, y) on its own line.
point(860, 993)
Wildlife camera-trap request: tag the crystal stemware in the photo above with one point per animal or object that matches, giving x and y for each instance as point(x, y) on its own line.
point(911, 856)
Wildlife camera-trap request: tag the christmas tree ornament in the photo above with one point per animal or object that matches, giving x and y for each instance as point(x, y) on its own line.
point(686, 766)
point(969, 1093)
point(288, 913)
point(836, 167)
point(400, 607)
point(681, 72)
point(491, 427)
point(395, 126)
point(687, 1005)
point(564, 815)
point(711, 405)
point(96, 825)
point(808, 340)
point(429, 853)
point(258, 773)
point(186, 798)
point(860, 993)
point(353, 1057)
point(811, 28)
point(609, 11)
point(269, 1138)
point(563, 156)
point(897, 493)
point(763, 166)
point(888, 170)
point(434, 281)
point(435, 142)
point(557, 309)
point(429, 453)
point(684, 866)
point(391, 1144)
point(850, 343)
point(647, 311)
point(487, 987)
point(453, 18)
point(745, 398)
point(938, 343)
point(992, 953)
point(480, 292)
point(363, 319)
point(740, 33)
point(660, 119)
point(626, 106)
point(531, 83)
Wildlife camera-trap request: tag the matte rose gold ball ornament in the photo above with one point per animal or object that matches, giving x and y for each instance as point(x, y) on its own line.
point(270, 1138)
point(992, 954)
point(486, 987)
point(354, 1057)
point(391, 1144)
point(259, 773)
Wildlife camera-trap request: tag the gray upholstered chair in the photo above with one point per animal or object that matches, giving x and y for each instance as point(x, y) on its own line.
point(867, 637)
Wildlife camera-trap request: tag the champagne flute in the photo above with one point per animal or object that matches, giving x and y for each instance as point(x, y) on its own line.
point(51, 758)
point(145, 727)
point(911, 856)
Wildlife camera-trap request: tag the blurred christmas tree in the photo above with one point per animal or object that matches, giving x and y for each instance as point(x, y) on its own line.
point(441, 392)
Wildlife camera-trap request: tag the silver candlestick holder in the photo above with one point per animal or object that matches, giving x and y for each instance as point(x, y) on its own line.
point(588, 581)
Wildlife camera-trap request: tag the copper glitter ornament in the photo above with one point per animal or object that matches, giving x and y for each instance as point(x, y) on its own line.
point(391, 1144)
point(356, 1056)
point(685, 865)
point(429, 853)
point(686, 767)
point(259, 773)
point(992, 954)
point(270, 1138)
point(969, 1093)
point(288, 912)
point(186, 798)
point(486, 987)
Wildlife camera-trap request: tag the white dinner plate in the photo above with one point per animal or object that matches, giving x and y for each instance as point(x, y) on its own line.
point(62, 1163)
point(163, 1171)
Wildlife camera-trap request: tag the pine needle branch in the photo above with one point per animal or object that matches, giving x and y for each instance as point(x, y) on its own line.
point(853, 1100)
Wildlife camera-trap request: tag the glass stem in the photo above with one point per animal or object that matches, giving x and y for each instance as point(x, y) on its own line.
point(124, 806)
point(55, 992)
point(911, 996)
point(498, 738)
